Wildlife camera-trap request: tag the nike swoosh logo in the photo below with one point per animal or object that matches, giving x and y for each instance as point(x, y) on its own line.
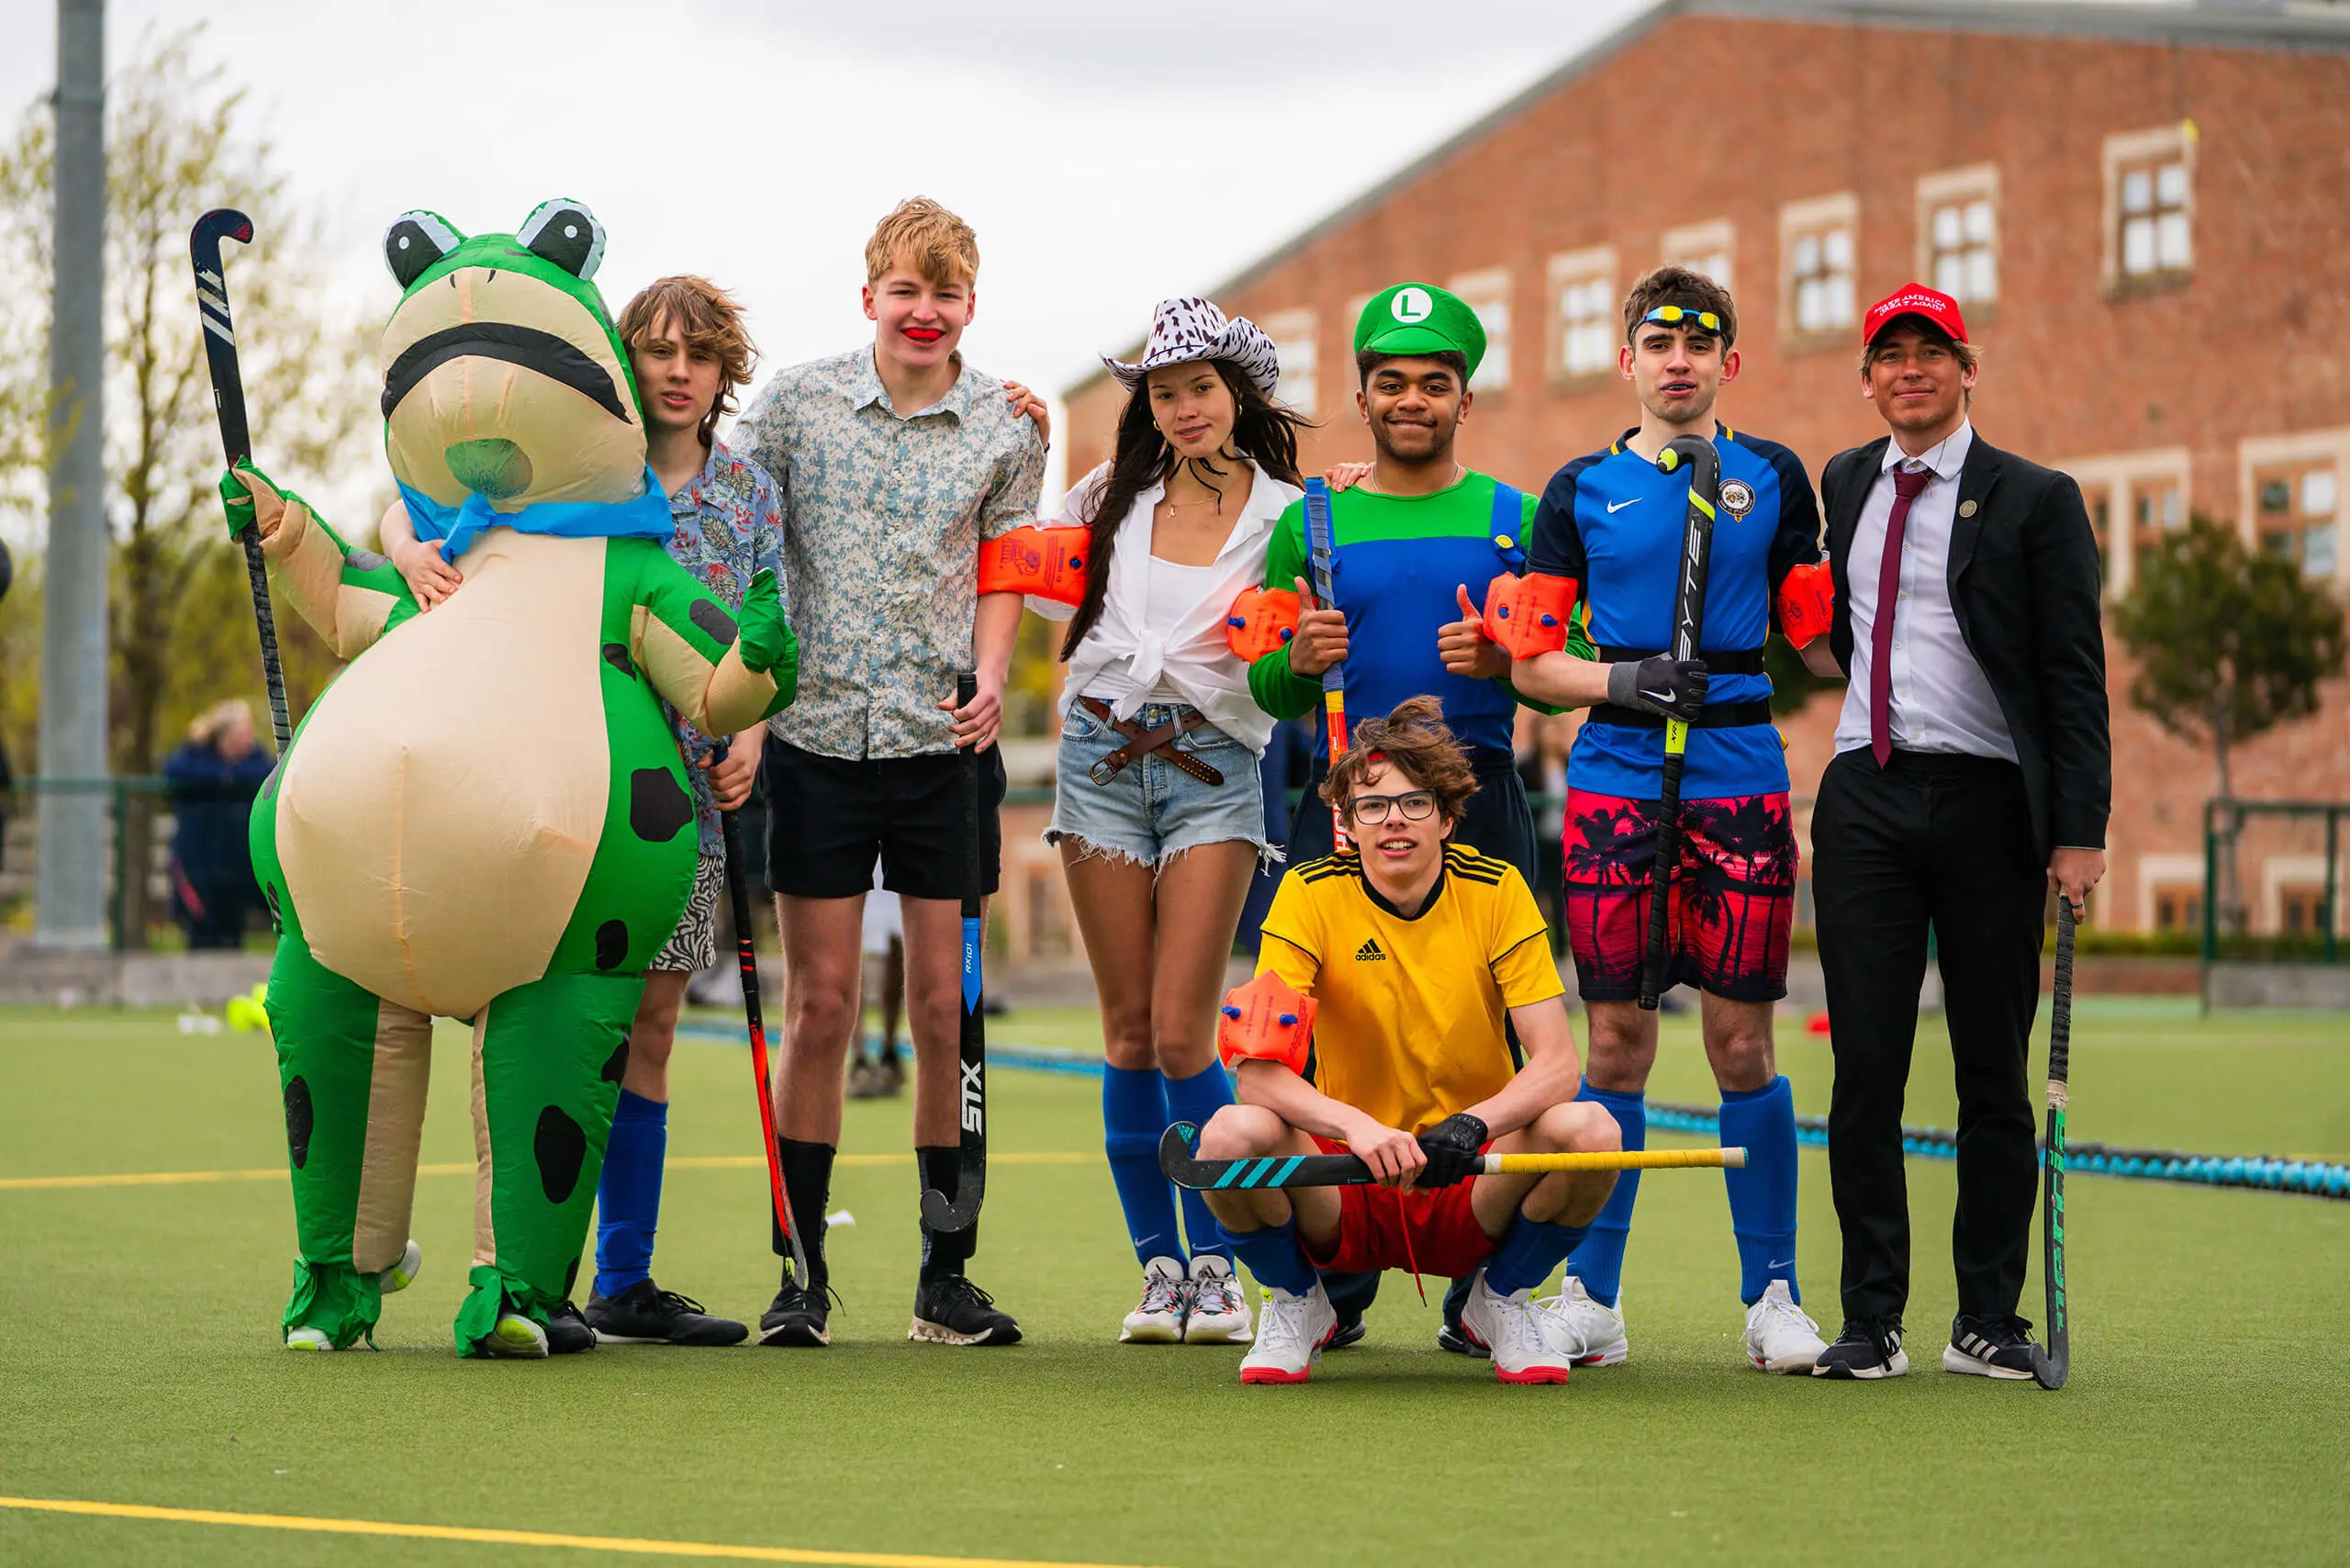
point(1615, 506)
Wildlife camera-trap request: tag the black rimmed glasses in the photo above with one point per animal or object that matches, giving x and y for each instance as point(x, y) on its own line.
point(1371, 810)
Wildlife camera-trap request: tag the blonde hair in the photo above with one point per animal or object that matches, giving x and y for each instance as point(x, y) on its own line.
point(940, 245)
point(707, 318)
point(206, 727)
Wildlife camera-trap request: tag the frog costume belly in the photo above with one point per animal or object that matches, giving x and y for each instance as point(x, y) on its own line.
point(486, 816)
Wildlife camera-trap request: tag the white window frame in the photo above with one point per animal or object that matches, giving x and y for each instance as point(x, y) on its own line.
point(2121, 475)
point(2305, 870)
point(1818, 216)
point(2164, 143)
point(1961, 188)
point(1488, 292)
point(2257, 452)
point(1594, 266)
point(1693, 245)
point(2167, 870)
point(1301, 373)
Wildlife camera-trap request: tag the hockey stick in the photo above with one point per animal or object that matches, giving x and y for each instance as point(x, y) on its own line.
point(1688, 619)
point(1176, 1161)
point(971, 1185)
point(1334, 677)
point(228, 403)
point(738, 898)
point(2049, 1367)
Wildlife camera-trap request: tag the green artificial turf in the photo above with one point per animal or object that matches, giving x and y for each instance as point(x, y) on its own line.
point(2205, 1423)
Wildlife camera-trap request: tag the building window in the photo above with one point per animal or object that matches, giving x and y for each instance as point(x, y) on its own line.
point(1487, 293)
point(2149, 207)
point(1817, 241)
point(1587, 326)
point(2297, 515)
point(1292, 333)
point(2178, 907)
point(1708, 248)
point(2133, 499)
point(1958, 234)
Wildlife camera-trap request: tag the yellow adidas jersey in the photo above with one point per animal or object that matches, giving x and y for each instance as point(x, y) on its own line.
point(1409, 1029)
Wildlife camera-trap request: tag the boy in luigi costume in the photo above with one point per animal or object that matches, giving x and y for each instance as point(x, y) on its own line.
point(1415, 543)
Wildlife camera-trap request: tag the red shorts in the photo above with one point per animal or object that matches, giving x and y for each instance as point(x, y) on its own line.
point(1431, 1232)
point(1733, 900)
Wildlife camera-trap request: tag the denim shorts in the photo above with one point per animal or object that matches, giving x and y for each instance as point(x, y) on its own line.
point(1153, 809)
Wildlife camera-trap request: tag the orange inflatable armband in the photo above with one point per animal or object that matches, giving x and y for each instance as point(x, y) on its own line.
point(1047, 562)
point(1260, 620)
point(1265, 1020)
point(1807, 602)
point(1528, 615)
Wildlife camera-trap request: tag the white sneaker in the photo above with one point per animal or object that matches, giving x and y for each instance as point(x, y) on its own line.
point(1291, 1333)
point(1530, 1342)
point(1596, 1330)
point(1159, 1319)
point(402, 1274)
point(307, 1340)
point(1219, 1307)
point(1779, 1336)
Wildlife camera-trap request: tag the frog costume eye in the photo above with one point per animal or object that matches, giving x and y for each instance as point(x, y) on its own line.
point(414, 241)
point(565, 232)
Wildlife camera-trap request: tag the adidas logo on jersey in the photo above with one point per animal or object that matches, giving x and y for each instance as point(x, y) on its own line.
point(1368, 953)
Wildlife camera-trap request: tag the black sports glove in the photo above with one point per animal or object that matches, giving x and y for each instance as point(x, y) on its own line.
point(1660, 684)
point(1451, 1146)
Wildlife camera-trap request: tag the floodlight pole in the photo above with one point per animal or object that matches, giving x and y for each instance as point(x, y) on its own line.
point(70, 892)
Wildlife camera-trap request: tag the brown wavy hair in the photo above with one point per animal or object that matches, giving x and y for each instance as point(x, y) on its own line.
point(709, 319)
point(1690, 289)
point(1414, 742)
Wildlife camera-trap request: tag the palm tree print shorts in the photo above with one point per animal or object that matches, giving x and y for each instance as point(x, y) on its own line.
point(1733, 899)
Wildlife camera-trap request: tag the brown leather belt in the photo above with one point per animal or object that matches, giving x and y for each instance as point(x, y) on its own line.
point(1141, 742)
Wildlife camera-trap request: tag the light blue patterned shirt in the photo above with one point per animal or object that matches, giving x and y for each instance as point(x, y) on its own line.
point(883, 515)
point(726, 526)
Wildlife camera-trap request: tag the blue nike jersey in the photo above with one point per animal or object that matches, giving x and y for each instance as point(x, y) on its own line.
point(1613, 522)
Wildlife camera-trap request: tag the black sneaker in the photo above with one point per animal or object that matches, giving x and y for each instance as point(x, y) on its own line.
point(1990, 1347)
point(796, 1316)
point(567, 1332)
point(1349, 1331)
point(1454, 1338)
point(951, 1310)
point(1868, 1348)
point(647, 1315)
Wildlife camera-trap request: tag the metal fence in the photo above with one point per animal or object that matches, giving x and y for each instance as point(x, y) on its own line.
point(2285, 900)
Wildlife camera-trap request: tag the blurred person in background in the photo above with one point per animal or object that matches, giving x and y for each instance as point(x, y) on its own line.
point(882, 1076)
point(212, 779)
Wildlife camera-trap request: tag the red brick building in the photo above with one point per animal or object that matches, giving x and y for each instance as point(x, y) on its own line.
point(2145, 209)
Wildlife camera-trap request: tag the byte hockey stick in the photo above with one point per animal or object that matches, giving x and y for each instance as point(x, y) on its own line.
point(972, 1184)
point(738, 898)
point(1688, 624)
point(228, 403)
point(1275, 1171)
point(2049, 1367)
point(1334, 675)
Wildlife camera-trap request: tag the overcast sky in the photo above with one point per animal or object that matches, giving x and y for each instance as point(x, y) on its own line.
point(1108, 154)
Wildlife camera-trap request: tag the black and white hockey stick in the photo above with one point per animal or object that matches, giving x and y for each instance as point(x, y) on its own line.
point(2049, 1367)
point(1273, 1170)
point(1688, 625)
point(971, 1185)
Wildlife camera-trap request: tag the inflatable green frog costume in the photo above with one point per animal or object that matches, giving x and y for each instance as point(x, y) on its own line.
point(485, 817)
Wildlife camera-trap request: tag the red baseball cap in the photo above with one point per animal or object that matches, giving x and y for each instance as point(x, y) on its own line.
point(1914, 299)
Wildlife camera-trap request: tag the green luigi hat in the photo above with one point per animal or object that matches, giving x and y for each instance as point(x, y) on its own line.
point(1420, 319)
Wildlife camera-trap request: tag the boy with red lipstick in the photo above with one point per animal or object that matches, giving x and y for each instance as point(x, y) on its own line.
point(895, 462)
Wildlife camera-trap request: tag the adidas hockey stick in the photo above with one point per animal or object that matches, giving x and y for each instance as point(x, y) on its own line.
point(2049, 1367)
point(738, 898)
point(971, 1185)
point(228, 403)
point(1175, 1160)
point(1334, 675)
point(1688, 624)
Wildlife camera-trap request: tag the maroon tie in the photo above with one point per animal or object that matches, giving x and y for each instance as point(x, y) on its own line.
point(1907, 484)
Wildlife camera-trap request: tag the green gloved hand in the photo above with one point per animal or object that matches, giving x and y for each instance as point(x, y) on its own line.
point(767, 639)
point(252, 500)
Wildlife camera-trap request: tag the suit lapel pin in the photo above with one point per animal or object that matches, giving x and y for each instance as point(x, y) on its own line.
point(1966, 509)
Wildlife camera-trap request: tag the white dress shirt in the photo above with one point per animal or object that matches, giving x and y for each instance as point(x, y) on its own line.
point(1940, 701)
point(1133, 654)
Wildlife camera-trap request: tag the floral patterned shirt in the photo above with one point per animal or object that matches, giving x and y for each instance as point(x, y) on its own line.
point(883, 515)
point(726, 527)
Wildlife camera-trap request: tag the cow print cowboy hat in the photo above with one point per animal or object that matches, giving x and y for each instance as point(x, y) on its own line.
point(1182, 331)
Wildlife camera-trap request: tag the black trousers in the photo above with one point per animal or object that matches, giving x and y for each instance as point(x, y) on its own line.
point(1945, 841)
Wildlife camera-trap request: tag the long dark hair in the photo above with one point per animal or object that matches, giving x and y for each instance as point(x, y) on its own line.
point(1263, 431)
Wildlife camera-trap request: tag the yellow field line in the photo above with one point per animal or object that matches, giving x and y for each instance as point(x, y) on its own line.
point(520, 1537)
point(682, 1162)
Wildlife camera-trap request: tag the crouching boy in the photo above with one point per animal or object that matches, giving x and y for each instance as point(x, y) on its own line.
point(1412, 950)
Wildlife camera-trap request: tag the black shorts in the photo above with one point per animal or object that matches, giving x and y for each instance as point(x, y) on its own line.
point(828, 817)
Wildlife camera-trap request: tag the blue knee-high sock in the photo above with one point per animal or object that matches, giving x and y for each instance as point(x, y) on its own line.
point(1134, 1115)
point(1763, 1196)
point(1195, 1100)
point(1528, 1253)
point(1598, 1262)
point(628, 1196)
point(1274, 1257)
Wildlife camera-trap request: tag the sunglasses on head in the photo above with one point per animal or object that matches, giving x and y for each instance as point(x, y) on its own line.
point(1674, 314)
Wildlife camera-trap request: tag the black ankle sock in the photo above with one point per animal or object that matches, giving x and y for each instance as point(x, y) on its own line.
point(808, 1180)
point(944, 1251)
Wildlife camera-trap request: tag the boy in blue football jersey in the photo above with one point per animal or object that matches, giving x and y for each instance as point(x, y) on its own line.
point(1613, 524)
